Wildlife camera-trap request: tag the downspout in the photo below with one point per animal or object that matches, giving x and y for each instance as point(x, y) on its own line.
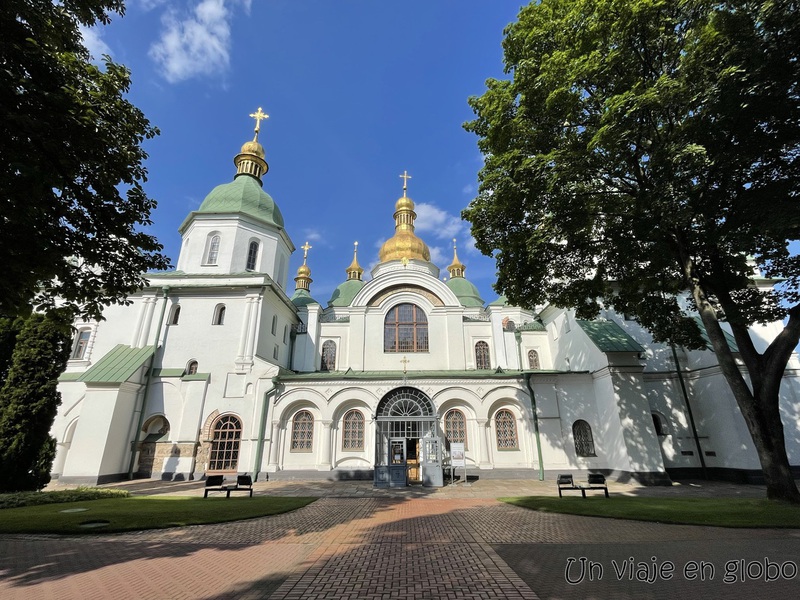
point(262, 428)
point(148, 377)
point(518, 337)
point(689, 410)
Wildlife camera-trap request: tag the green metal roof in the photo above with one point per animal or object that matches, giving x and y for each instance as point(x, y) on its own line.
point(609, 337)
point(410, 375)
point(501, 301)
point(301, 297)
point(242, 195)
point(343, 295)
point(196, 377)
point(168, 372)
point(466, 292)
point(69, 376)
point(117, 366)
point(728, 337)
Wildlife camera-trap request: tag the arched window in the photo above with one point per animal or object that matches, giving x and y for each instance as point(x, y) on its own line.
point(584, 443)
point(302, 431)
point(353, 431)
point(274, 324)
point(252, 255)
point(225, 444)
point(328, 356)
point(506, 427)
point(81, 343)
point(533, 360)
point(219, 315)
point(482, 356)
point(191, 368)
point(285, 333)
point(455, 427)
point(660, 424)
point(212, 253)
point(405, 329)
point(176, 315)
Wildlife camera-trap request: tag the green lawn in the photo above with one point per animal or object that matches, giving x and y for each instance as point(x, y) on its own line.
point(141, 512)
point(719, 512)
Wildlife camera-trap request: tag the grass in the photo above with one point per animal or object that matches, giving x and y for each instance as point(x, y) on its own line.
point(142, 512)
point(717, 512)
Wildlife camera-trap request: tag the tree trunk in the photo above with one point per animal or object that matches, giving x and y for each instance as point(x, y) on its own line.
point(761, 406)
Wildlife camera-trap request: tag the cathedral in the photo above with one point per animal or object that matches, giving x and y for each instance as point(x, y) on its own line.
point(219, 367)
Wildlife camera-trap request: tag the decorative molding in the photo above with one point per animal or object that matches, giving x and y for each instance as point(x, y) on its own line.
point(379, 298)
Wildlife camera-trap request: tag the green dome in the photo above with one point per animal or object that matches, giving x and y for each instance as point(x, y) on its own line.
point(301, 297)
point(466, 292)
point(501, 301)
point(344, 294)
point(243, 195)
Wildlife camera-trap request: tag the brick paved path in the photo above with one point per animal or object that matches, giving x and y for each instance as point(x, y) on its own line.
point(393, 547)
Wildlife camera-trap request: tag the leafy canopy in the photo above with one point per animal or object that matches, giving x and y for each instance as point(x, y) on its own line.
point(72, 205)
point(640, 146)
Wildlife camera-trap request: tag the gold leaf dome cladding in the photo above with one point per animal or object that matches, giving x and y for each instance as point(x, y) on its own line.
point(253, 147)
point(404, 244)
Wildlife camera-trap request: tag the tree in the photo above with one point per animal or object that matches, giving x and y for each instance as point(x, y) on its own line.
point(643, 148)
point(71, 164)
point(29, 400)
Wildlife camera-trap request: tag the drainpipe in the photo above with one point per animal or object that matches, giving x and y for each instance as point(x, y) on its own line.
point(518, 337)
point(689, 410)
point(262, 429)
point(148, 377)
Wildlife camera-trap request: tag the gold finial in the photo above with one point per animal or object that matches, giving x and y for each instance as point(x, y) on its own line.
point(305, 247)
point(259, 116)
point(405, 177)
point(354, 271)
point(456, 268)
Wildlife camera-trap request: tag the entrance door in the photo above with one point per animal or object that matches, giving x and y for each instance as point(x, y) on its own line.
point(413, 461)
point(432, 472)
point(398, 474)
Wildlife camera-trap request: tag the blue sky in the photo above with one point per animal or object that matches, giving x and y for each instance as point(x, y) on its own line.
point(357, 92)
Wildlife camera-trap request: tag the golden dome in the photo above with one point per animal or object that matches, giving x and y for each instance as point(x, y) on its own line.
point(303, 271)
point(404, 203)
point(404, 244)
point(253, 147)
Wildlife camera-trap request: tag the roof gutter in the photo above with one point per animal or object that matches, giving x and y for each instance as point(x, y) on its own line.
point(527, 377)
point(262, 428)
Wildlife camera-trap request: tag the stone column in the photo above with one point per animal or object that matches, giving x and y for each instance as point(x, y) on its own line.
point(325, 450)
point(484, 438)
point(274, 441)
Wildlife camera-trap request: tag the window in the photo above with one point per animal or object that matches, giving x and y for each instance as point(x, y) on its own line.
point(219, 315)
point(81, 343)
point(455, 427)
point(405, 329)
point(285, 333)
point(533, 360)
point(482, 356)
point(252, 255)
point(302, 432)
point(212, 254)
point(225, 444)
point(328, 356)
point(191, 368)
point(584, 443)
point(660, 424)
point(506, 427)
point(353, 431)
point(275, 352)
point(176, 315)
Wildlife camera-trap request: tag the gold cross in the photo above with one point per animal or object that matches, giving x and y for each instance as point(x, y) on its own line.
point(405, 361)
point(259, 116)
point(306, 247)
point(405, 177)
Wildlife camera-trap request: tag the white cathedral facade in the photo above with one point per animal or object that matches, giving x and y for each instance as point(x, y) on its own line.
point(217, 367)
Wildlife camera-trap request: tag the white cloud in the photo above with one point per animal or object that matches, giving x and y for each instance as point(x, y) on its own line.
point(432, 219)
point(312, 235)
point(196, 43)
point(470, 246)
point(469, 189)
point(440, 257)
point(93, 40)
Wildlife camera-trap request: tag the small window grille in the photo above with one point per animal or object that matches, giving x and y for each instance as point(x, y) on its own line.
point(302, 432)
point(353, 431)
point(252, 256)
point(533, 360)
point(455, 427)
point(482, 356)
point(328, 356)
point(506, 430)
point(584, 442)
point(224, 454)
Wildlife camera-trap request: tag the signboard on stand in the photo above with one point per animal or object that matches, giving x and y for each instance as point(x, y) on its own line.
point(458, 458)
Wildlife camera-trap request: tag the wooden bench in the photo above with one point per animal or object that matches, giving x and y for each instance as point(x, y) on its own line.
point(214, 483)
point(595, 481)
point(244, 483)
point(565, 482)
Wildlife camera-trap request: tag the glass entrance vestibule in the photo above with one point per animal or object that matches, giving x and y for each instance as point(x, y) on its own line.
point(408, 447)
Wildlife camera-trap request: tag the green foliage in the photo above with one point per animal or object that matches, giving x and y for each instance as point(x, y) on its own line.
point(639, 147)
point(71, 164)
point(29, 400)
point(81, 494)
point(144, 512)
point(717, 512)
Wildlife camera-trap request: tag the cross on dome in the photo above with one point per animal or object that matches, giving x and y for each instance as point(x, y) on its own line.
point(259, 116)
point(405, 177)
